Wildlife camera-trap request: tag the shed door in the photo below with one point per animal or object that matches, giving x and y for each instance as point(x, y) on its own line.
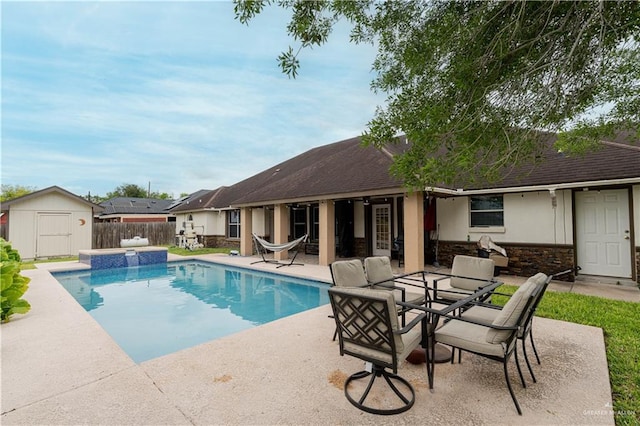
point(381, 229)
point(603, 236)
point(54, 234)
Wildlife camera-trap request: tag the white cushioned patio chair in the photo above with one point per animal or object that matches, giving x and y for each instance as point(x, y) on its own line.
point(379, 274)
point(468, 273)
point(350, 273)
point(495, 340)
point(484, 312)
point(368, 329)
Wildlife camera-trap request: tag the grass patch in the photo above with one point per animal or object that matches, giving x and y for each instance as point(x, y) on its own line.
point(184, 252)
point(31, 264)
point(620, 322)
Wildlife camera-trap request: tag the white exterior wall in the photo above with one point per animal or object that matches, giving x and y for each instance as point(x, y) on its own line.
point(204, 222)
point(529, 217)
point(216, 223)
point(23, 226)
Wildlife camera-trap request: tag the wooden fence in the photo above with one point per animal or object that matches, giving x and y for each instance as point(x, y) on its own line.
point(109, 234)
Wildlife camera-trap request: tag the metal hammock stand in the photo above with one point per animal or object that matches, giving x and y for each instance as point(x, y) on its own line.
point(263, 246)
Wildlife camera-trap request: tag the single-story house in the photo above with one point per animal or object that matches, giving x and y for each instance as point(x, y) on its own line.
point(132, 209)
point(50, 222)
point(581, 213)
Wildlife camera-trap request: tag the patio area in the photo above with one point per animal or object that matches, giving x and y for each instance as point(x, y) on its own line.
point(60, 367)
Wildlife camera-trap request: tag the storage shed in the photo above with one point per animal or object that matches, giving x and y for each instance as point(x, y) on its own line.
point(49, 223)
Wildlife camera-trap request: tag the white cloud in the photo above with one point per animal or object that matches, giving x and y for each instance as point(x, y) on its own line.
point(179, 94)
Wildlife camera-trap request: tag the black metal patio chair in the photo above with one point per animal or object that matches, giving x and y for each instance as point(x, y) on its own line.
point(495, 340)
point(368, 329)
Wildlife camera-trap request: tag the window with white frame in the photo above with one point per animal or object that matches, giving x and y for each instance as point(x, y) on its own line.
point(233, 224)
point(486, 211)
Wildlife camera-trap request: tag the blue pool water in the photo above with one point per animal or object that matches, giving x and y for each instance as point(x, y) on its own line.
point(154, 310)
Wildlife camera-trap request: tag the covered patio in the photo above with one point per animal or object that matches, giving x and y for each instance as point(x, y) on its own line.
point(60, 367)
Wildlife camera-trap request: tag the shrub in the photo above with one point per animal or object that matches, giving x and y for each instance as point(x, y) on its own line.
point(14, 285)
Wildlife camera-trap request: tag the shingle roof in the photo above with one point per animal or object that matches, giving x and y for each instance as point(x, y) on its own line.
point(51, 189)
point(201, 200)
point(340, 167)
point(618, 158)
point(346, 167)
point(132, 205)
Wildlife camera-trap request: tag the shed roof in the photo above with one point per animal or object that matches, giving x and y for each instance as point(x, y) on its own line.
point(52, 189)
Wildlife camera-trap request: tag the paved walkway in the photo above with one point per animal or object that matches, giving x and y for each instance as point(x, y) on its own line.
point(60, 367)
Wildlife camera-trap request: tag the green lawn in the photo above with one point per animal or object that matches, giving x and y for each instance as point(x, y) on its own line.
point(185, 252)
point(31, 264)
point(620, 322)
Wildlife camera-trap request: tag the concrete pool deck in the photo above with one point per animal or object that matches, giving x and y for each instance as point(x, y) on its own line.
point(60, 367)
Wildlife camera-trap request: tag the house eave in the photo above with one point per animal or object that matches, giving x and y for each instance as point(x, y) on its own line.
point(533, 188)
point(316, 198)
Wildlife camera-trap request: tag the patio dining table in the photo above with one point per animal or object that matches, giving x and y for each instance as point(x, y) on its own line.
point(435, 313)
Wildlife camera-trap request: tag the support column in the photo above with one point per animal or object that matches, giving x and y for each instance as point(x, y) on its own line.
point(246, 229)
point(414, 232)
point(281, 229)
point(327, 243)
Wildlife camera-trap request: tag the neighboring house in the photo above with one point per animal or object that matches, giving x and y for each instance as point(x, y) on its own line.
point(208, 213)
point(132, 209)
point(564, 213)
point(50, 222)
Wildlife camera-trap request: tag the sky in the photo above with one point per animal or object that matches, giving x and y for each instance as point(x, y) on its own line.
point(175, 96)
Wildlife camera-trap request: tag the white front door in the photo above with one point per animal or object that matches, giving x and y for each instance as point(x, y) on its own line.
point(381, 229)
point(603, 234)
point(54, 234)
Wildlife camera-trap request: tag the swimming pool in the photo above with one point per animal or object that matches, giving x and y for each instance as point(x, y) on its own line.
point(154, 310)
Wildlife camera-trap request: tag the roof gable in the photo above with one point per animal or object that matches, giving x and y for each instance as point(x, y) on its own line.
point(202, 200)
point(51, 190)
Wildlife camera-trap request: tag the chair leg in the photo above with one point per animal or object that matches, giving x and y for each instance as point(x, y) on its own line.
point(430, 354)
point(515, 352)
point(526, 358)
point(513, 395)
point(533, 345)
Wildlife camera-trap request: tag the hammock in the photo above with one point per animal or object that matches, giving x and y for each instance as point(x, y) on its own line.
point(263, 246)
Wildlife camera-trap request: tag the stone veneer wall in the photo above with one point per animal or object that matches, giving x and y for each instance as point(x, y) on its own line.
point(220, 241)
point(524, 260)
point(360, 247)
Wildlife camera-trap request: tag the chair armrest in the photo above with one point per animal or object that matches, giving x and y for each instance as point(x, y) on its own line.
point(483, 323)
point(487, 305)
point(435, 285)
point(411, 324)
